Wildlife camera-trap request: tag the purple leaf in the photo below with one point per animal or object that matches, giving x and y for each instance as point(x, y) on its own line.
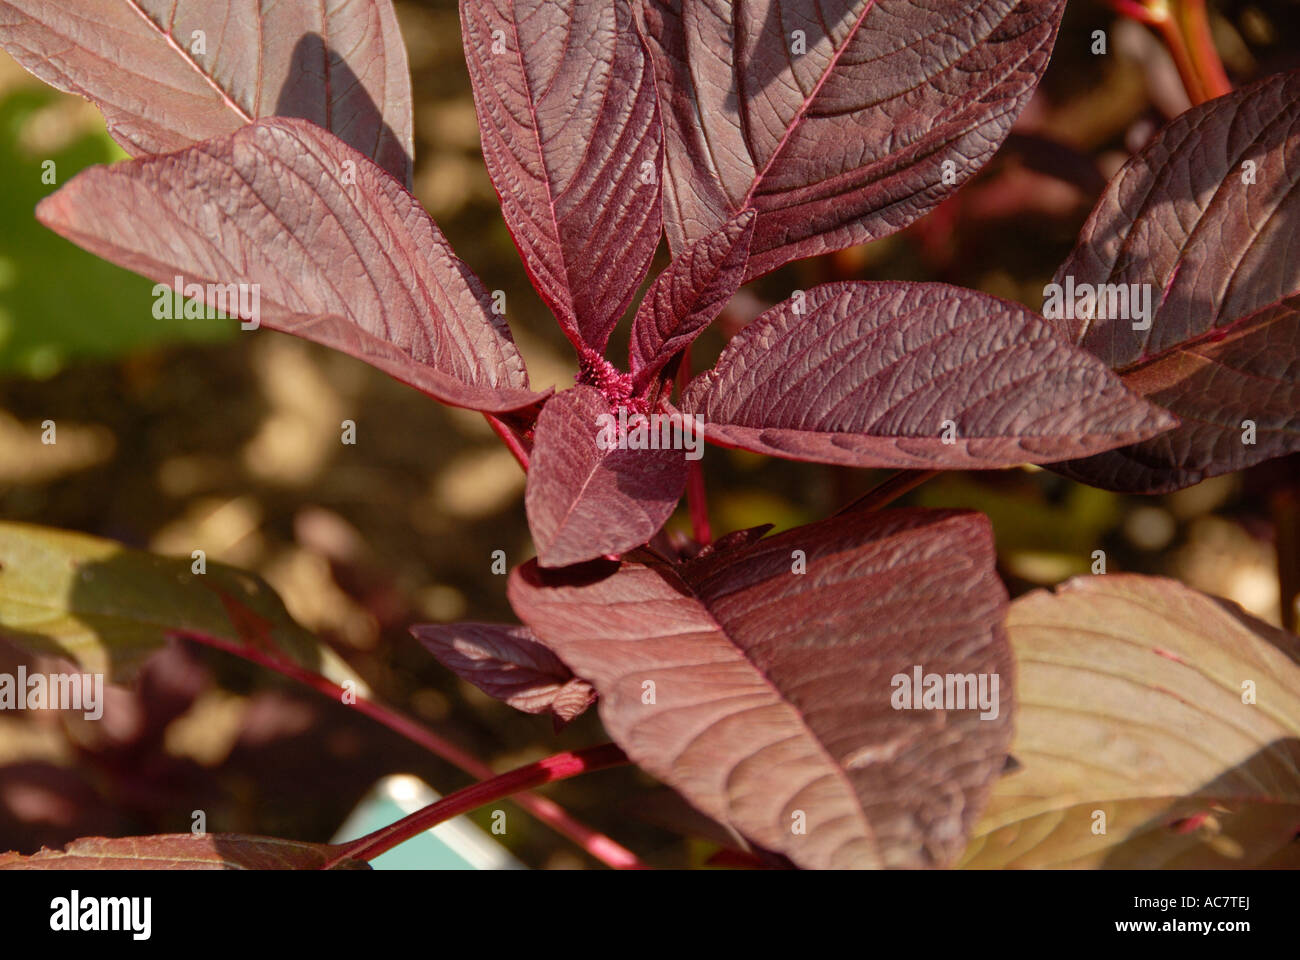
point(170, 73)
point(507, 662)
point(917, 375)
point(839, 122)
point(685, 298)
point(766, 696)
point(585, 502)
point(358, 266)
point(1205, 219)
point(571, 135)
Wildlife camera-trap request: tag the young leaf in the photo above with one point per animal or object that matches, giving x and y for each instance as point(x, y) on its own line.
point(170, 73)
point(571, 135)
point(1205, 218)
point(107, 608)
point(918, 375)
point(1158, 728)
point(838, 122)
point(685, 298)
point(334, 248)
point(181, 851)
point(507, 662)
point(584, 501)
point(760, 682)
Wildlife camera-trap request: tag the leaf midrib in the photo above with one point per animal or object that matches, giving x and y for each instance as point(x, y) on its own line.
point(192, 63)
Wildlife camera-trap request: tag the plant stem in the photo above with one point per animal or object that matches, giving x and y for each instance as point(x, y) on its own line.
point(595, 843)
point(1204, 56)
point(1286, 522)
point(696, 496)
point(1135, 10)
point(696, 499)
point(510, 438)
point(888, 491)
point(559, 767)
point(1185, 30)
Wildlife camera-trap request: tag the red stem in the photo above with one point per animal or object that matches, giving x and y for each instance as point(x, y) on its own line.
point(697, 499)
point(559, 767)
point(510, 438)
point(595, 843)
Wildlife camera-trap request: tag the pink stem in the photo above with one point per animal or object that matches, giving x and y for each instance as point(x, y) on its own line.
point(559, 767)
point(598, 845)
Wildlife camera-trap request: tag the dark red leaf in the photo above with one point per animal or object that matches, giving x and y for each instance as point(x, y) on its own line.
point(684, 299)
point(890, 107)
point(1207, 215)
point(760, 692)
point(571, 136)
point(507, 662)
point(917, 375)
point(584, 502)
point(358, 266)
point(170, 73)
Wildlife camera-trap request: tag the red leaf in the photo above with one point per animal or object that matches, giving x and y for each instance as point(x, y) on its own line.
point(889, 107)
point(507, 663)
point(1207, 215)
point(584, 502)
point(170, 73)
point(685, 298)
point(358, 266)
point(917, 375)
point(570, 124)
point(759, 692)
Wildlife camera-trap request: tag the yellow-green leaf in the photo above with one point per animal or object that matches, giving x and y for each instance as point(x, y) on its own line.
point(1136, 717)
point(181, 851)
point(107, 607)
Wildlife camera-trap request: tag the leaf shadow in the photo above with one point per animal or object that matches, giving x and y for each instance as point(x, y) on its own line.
point(1234, 821)
point(352, 115)
point(128, 604)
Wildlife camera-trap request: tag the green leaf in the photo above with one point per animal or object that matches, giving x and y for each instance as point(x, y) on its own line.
point(107, 607)
point(1134, 698)
point(58, 302)
point(181, 851)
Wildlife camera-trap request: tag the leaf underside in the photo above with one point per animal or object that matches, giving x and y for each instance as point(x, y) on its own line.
point(107, 608)
point(763, 694)
point(1131, 693)
point(509, 664)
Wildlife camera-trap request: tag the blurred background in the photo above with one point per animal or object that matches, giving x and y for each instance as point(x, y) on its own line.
point(187, 433)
